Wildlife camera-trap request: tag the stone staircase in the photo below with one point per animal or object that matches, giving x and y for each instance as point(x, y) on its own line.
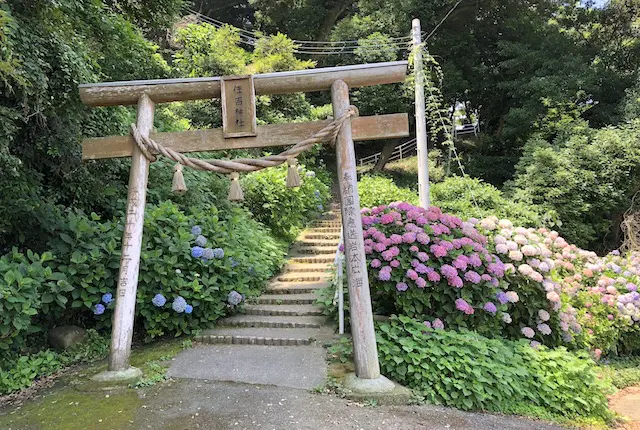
point(285, 314)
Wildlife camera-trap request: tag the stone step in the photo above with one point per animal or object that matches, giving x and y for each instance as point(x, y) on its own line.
point(325, 230)
point(287, 299)
point(297, 310)
point(296, 288)
point(261, 336)
point(307, 267)
point(315, 250)
point(323, 259)
point(325, 223)
point(315, 236)
point(272, 321)
point(304, 277)
point(319, 242)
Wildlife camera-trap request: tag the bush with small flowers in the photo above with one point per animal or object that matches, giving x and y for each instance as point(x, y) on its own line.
point(434, 266)
point(189, 265)
point(569, 295)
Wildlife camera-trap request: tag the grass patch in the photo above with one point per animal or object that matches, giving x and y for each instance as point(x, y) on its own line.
point(623, 372)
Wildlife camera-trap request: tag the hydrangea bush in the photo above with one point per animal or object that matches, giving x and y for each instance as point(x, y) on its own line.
point(189, 265)
point(589, 300)
point(433, 266)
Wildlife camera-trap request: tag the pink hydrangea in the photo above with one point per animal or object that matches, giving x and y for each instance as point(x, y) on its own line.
point(472, 277)
point(455, 281)
point(438, 251)
point(402, 286)
point(463, 306)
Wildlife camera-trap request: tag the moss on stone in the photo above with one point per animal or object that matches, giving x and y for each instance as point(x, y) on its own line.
point(68, 409)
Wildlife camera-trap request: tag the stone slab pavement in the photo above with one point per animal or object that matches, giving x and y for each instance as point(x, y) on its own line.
point(195, 404)
point(287, 366)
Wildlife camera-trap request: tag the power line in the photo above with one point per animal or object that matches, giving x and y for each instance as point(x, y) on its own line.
point(255, 35)
point(443, 20)
point(331, 48)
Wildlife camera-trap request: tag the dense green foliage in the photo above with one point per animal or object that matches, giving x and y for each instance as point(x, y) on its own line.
point(378, 190)
point(17, 372)
point(28, 286)
point(588, 177)
point(284, 210)
point(89, 253)
point(462, 196)
point(469, 371)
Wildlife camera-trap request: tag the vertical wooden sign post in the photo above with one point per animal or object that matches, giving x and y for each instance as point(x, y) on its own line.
point(123, 316)
point(365, 352)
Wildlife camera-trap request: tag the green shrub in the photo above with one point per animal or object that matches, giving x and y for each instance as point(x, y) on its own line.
point(587, 176)
point(623, 372)
point(461, 196)
point(19, 371)
point(472, 198)
point(27, 287)
point(405, 172)
point(468, 371)
point(284, 210)
point(89, 252)
point(378, 190)
point(27, 368)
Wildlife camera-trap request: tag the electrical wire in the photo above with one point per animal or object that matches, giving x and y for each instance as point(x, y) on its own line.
point(332, 48)
point(255, 35)
point(442, 20)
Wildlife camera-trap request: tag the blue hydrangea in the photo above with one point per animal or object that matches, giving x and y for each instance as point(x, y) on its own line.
point(188, 309)
point(320, 207)
point(251, 270)
point(310, 174)
point(234, 298)
point(158, 300)
point(107, 298)
point(207, 254)
point(179, 304)
point(317, 194)
point(201, 240)
point(233, 262)
point(196, 230)
point(218, 253)
point(196, 251)
point(98, 309)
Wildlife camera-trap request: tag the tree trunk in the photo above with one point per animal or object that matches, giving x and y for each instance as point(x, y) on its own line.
point(330, 19)
point(388, 149)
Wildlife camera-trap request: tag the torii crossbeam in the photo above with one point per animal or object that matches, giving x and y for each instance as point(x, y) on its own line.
point(146, 93)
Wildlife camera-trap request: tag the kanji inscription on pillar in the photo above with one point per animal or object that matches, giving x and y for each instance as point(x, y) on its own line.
point(238, 106)
point(352, 251)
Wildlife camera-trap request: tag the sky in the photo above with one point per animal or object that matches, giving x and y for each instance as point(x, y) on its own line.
point(598, 3)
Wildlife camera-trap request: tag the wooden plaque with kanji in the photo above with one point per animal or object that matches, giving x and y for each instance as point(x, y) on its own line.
point(238, 106)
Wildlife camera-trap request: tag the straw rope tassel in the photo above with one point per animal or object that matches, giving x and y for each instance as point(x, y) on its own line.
point(235, 191)
point(179, 186)
point(293, 178)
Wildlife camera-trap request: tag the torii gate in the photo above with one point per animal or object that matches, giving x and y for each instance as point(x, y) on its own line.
point(146, 93)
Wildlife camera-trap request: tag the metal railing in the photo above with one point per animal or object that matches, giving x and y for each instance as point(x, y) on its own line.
point(338, 297)
point(402, 151)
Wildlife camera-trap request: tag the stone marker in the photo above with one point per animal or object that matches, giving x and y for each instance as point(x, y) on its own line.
point(64, 336)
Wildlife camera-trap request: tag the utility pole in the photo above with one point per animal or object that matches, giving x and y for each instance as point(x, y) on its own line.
point(421, 120)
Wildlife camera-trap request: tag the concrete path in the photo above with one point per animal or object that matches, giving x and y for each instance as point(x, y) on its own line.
point(189, 404)
point(286, 366)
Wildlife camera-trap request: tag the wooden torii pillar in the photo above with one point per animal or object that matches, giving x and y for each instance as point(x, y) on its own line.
point(147, 93)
